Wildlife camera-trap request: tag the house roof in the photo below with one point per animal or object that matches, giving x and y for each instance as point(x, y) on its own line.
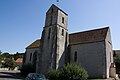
point(35, 44)
point(88, 36)
point(19, 60)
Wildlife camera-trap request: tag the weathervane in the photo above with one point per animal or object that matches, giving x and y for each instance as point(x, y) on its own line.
point(57, 2)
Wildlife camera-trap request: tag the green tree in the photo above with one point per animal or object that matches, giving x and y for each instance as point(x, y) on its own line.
point(9, 63)
point(6, 55)
point(117, 62)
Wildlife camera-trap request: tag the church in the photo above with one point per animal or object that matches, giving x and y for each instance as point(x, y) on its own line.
point(91, 49)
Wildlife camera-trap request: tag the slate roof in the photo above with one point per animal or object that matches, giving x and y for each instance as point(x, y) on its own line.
point(19, 60)
point(35, 44)
point(80, 37)
point(88, 36)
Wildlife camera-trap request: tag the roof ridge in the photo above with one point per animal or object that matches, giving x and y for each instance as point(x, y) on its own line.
point(88, 36)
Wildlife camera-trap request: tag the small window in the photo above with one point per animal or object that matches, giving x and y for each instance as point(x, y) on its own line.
point(30, 56)
point(62, 32)
point(75, 56)
point(52, 10)
point(49, 33)
point(63, 20)
point(51, 20)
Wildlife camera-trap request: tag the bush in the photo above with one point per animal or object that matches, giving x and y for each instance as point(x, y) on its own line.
point(69, 72)
point(53, 74)
point(26, 69)
point(73, 72)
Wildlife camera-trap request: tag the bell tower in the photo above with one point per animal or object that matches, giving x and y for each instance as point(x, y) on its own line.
point(54, 40)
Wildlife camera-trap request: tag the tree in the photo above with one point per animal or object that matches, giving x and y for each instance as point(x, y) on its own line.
point(9, 63)
point(117, 62)
point(6, 55)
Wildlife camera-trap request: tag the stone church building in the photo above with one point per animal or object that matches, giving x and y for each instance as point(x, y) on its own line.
point(91, 49)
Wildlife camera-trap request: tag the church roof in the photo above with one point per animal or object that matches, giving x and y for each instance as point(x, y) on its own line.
point(80, 37)
point(88, 36)
point(35, 44)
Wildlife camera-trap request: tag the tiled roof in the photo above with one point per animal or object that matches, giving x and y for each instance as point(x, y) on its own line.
point(19, 60)
point(80, 37)
point(88, 36)
point(35, 44)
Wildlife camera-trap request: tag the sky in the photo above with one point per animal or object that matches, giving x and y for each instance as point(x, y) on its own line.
point(22, 21)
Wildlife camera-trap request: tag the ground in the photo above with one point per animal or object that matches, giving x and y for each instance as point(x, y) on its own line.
point(10, 75)
point(15, 75)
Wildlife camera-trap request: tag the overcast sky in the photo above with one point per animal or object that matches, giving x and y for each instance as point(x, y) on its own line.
point(22, 21)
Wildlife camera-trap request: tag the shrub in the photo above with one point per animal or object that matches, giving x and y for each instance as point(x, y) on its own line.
point(73, 72)
point(69, 72)
point(26, 69)
point(53, 74)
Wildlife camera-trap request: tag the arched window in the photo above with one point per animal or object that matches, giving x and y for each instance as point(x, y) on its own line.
point(63, 20)
point(49, 33)
point(75, 56)
point(51, 20)
point(62, 32)
point(52, 10)
point(30, 56)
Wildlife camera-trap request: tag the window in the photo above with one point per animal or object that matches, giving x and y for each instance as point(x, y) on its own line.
point(75, 56)
point(63, 20)
point(62, 32)
point(51, 21)
point(30, 56)
point(52, 10)
point(49, 33)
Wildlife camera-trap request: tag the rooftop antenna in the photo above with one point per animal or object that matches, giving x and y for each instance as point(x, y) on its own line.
point(57, 2)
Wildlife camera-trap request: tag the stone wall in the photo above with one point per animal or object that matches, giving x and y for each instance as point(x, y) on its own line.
point(109, 53)
point(91, 56)
point(30, 52)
